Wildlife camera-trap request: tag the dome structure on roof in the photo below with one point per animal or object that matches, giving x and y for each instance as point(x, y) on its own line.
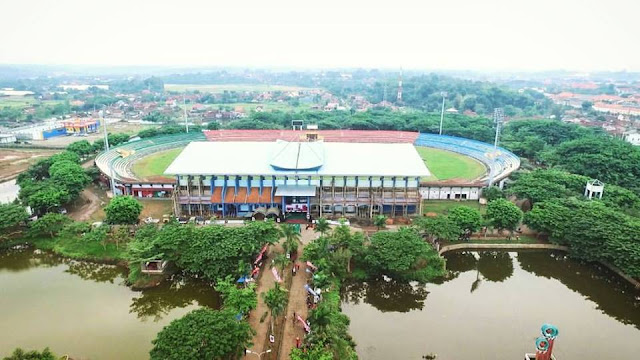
point(297, 155)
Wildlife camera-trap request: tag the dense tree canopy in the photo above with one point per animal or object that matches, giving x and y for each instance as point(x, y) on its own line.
point(202, 334)
point(503, 214)
point(212, 251)
point(466, 218)
point(123, 210)
point(19, 354)
point(402, 255)
point(438, 228)
point(12, 216)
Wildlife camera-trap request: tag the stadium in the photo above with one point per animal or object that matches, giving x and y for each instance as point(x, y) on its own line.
point(285, 173)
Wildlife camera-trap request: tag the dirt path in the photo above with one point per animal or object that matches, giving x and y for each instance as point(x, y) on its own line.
point(90, 204)
point(265, 282)
point(297, 302)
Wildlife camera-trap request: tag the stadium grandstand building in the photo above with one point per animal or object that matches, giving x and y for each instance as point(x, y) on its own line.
point(333, 173)
point(262, 178)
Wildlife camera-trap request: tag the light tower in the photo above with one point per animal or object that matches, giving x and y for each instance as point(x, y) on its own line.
point(498, 117)
point(444, 95)
point(399, 99)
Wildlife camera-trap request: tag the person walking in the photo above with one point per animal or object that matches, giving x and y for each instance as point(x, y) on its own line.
point(298, 342)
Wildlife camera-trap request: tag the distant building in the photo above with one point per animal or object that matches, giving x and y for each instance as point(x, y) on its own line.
point(7, 138)
point(632, 137)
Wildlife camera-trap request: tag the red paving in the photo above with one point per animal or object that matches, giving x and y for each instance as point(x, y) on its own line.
point(357, 136)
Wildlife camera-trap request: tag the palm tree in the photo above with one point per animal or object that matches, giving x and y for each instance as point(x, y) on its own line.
point(276, 300)
point(281, 261)
point(291, 237)
point(380, 221)
point(322, 226)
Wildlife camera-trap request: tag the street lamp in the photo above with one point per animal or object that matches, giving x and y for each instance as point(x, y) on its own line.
point(247, 351)
point(444, 95)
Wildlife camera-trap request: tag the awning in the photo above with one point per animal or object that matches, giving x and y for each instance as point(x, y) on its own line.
point(296, 190)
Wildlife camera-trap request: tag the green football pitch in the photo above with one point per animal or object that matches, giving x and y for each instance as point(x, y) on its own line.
point(155, 164)
point(447, 165)
point(443, 165)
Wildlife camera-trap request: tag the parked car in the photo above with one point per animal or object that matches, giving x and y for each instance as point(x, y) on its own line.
point(150, 220)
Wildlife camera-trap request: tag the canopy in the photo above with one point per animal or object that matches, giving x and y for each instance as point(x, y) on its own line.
point(296, 190)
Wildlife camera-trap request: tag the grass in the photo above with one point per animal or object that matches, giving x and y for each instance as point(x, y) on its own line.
point(447, 165)
point(248, 106)
point(219, 88)
point(76, 248)
point(155, 164)
point(443, 206)
point(524, 239)
point(24, 101)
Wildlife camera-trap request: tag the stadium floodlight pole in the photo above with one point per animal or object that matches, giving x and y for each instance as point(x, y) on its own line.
point(498, 117)
point(184, 106)
point(106, 148)
point(444, 95)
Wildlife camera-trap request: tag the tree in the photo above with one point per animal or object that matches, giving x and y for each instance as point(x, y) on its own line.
point(380, 221)
point(70, 175)
point(492, 193)
point(291, 237)
point(587, 105)
point(237, 300)
point(202, 334)
point(402, 255)
point(123, 210)
point(98, 235)
point(276, 300)
point(82, 148)
point(503, 214)
point(65, 156)
point(19, 354)
point(438, 228)
point(322, 226)
point(45, 196)
point(51, 224)
point(281, 261)
point(12, 216)
point(213, 125)
point(466, 218)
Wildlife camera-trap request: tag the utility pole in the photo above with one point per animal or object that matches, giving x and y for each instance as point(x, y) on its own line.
point(184, 106)
point(106, 147)
point(498, 117)
point(444, 95)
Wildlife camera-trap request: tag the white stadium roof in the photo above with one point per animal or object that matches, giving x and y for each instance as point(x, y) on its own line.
point(318, 158)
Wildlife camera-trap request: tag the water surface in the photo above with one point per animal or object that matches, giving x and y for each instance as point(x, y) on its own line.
point(84, 309)
point(492, 308)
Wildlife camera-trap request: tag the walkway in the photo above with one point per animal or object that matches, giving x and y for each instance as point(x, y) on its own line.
point(265, 282)
point(297, 301)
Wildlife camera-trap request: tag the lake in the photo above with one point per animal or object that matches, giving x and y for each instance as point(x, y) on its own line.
point(492, 307)
point(84, 309)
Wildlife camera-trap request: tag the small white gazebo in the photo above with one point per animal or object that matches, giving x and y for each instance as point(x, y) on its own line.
point(595, 188)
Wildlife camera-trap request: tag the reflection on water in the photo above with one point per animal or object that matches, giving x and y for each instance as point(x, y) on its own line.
point(83, 309)
point(500, 296)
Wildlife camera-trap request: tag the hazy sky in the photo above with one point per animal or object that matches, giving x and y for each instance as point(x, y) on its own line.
point(458, 34)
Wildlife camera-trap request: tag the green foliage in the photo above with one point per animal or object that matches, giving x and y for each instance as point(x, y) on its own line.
point(466, 218)
point(98, 235)
point(45, 196)
point(402, 255)
point(322, 226)
point(202, 334)
point(593, 231)
point(380, 221)
point(291, 237)
point(313, 353)
point(502, 214)
point(123, 210)
point(610, 160)
point(212, 251)
point(82, 148)
point(75, 229)
point(492, 193)
point(276, 300)
point(65, 156)
point(213, 125)
point(438, 228)
point(529, 138)
point(19, 354)
point(237, 300)
point(12, 216)
point(69, 175)
point(49, 224)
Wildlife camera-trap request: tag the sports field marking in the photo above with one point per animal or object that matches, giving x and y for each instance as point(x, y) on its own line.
point(447, 165)
point(155, 164)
